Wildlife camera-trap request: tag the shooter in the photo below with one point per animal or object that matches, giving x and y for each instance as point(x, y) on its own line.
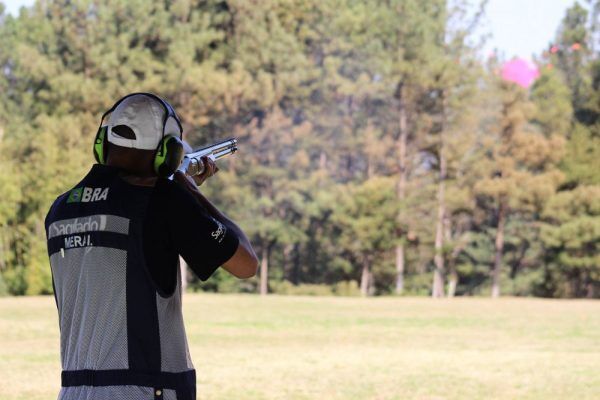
point(114, 242)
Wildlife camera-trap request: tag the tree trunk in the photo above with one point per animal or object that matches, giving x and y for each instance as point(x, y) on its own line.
point(322, 169)
point(452, 274)
point(499, 249)
point(296, 270)
point(399, 268)
point(438, 273)
point(401, 185)
point(288, 265)
point(370, 167)
point(184, 275)
point(452, 280)
point(3, 246)
point(323, 160)
point(590, 289)
point(364, 278)
point(264, 271)
point(371, 287)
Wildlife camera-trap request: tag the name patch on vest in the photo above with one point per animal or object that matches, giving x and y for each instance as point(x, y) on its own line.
point(76, 225)
point(78, 241)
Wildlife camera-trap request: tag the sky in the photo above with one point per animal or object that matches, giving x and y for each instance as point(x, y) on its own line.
point(518, 27)
point(523, 27)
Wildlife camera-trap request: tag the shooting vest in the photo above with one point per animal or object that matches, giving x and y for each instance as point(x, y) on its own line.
point(120, 337)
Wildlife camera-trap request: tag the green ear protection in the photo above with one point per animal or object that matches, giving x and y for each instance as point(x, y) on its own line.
point(169, 152)
point(168, 156)
point(100, 146)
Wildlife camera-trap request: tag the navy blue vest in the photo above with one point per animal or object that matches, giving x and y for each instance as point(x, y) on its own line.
point(121, 336)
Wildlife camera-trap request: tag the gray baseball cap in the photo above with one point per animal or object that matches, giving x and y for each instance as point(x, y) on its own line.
point(137, 122)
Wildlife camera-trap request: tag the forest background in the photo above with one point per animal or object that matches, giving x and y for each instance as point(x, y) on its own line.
point(378, 153)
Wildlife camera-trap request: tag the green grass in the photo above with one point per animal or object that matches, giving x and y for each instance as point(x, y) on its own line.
point(248, 347)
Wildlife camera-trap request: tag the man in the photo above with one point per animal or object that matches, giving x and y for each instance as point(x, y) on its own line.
point(114, 242)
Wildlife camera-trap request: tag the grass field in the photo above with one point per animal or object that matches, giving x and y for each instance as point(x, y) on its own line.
point(247, 347)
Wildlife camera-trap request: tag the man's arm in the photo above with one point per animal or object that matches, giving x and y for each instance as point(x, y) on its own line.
point(244, 262)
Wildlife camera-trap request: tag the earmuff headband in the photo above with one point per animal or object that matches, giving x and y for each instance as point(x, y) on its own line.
point(169, 111)
point(170, 148)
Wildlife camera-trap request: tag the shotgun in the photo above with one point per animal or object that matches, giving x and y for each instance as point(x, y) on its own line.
point(192, 161)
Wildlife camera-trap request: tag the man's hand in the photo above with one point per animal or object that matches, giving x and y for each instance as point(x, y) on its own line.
point(210, 168)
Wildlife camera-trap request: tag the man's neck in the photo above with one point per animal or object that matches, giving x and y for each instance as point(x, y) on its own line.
point(137, 179)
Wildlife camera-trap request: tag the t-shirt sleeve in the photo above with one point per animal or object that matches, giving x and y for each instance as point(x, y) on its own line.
point(204, 243)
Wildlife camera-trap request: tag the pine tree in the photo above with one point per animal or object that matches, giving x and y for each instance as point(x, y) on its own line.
point(572, 234)
point(570, 229)
point(521, 167)
point(366, 219)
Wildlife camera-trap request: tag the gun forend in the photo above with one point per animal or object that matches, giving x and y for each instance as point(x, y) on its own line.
point(192, 162)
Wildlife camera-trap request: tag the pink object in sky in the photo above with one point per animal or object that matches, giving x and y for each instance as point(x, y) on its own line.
point(520, 71)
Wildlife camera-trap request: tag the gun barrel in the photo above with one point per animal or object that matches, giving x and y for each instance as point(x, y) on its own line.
point(225, 152)
point(226, 144)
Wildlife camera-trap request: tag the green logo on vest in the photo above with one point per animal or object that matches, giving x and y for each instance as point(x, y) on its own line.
point(75, 195)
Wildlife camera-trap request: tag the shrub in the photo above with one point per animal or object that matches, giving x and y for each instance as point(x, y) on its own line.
point(288, 288)
point(3, 287)
point(346, 288)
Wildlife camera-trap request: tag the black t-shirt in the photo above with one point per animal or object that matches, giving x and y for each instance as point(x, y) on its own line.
point(165, 221)
point(177, 224)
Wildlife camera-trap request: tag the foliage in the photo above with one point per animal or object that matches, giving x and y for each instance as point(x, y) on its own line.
point(376, 149)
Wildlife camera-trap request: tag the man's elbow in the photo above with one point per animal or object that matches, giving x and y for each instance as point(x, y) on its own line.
point(243, 265)
point(248, 270)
